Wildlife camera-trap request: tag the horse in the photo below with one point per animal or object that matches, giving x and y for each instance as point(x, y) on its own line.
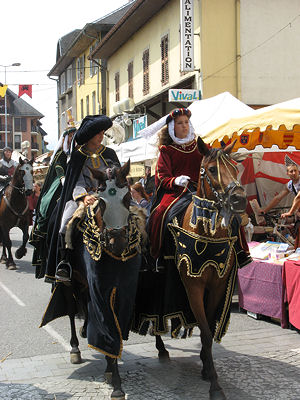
point(206, 250)
point(14, 210)
point(105, 241)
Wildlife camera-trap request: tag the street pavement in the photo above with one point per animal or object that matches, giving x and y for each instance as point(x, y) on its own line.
point(256, 360)
point(255, 363)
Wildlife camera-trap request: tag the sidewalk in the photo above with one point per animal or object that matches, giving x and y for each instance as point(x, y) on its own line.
point(252, 364)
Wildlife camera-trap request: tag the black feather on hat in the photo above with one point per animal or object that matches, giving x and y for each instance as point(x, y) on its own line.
point(90, 126)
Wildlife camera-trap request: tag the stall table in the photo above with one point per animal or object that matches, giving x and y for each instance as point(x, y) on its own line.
point(291, 290)
point(261, 290)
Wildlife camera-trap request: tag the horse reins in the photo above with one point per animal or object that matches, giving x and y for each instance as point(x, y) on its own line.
point(18, 215)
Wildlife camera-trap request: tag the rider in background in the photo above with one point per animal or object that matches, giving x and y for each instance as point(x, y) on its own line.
point(49, 196)
point(7, 167)
point(79, 186)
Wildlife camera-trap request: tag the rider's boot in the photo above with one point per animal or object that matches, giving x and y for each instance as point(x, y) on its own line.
point(64, 269)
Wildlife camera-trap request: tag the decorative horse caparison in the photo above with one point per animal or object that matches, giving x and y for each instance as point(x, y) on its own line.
point(105, 262)
point(14, 210)
point(208, 266)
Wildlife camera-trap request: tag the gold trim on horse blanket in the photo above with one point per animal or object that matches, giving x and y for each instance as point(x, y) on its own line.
point(200, 252)
point(95, 242)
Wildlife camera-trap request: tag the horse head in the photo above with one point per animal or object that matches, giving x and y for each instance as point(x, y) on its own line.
point(114, 200)
point(218, 179)
point(23, 176)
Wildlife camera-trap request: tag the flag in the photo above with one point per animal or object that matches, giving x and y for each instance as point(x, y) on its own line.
point(3, 90)
point(25, 89)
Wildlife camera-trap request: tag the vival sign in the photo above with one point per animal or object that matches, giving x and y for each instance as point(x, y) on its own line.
point(187, 34)
point(184, 95)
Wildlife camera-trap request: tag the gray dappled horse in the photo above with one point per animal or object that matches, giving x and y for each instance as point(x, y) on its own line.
point(14, 210)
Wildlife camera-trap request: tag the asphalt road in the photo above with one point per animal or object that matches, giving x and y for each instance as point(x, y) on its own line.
point(23, 300)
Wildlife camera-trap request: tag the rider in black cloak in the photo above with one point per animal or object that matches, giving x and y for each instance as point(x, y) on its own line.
point(108, 285)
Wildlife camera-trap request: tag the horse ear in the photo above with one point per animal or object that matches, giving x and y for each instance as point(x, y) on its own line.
point(228, 149)
point(124, 171)
point(32, 159)
point(21, 162)
point(99, 175)
point(202, 147)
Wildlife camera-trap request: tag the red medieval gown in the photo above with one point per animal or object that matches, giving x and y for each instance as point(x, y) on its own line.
point(174, 160)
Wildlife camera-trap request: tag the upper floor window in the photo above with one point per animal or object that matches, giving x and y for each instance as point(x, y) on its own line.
point(62, 81)
point(80, 70)
point(146, 84)
point(117, 85)
point(130, 79)
point(87, 105)
point(93, 63)
point(69, 77)
point(81, 108)
point(20, 124)
point(164, 44)
point(94, 102)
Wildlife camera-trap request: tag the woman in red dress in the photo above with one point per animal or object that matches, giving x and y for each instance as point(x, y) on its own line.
point(177, 166)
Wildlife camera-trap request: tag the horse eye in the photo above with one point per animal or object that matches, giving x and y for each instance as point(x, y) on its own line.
point(213, 170)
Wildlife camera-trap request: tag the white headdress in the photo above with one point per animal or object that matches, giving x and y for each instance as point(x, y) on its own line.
point(169, 120)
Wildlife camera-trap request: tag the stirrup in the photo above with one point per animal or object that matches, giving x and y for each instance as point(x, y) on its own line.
point(61, 271)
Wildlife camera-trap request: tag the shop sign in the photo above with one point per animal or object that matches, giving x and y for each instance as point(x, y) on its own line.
point(187, 34)
point(184, 95)
point(139, 124)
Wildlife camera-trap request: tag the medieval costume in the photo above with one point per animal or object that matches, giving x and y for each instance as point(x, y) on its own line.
point(7, 168)
point(108, 285)
point(48, 199)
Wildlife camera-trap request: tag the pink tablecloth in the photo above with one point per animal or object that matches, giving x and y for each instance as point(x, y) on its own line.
point(291, 288)
point(260, 289)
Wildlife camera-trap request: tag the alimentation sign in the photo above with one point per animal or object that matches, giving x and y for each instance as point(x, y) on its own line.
point(187, 34)
point(189, 95)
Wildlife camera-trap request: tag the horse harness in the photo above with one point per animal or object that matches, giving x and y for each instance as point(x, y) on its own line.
point(15, 213)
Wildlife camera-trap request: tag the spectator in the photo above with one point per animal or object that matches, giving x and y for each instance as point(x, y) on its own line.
point(148, 181)
point(140, 196)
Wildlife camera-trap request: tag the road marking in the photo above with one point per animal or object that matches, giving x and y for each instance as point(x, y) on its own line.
point(13, 296)
point(57, 336)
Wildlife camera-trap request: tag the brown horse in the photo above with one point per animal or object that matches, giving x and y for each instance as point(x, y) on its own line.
point(206, 250)
point(14, 210)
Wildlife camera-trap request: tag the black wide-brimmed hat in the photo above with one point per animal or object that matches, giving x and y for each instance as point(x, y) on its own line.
point(90, 126)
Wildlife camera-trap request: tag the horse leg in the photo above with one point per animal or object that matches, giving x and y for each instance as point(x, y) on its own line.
point(3, 259)
point(83, 329)
point(21, 251)
point(75, 355)
point(112, 376)
point(195, 293)
point(10, 264)
point(163, 354)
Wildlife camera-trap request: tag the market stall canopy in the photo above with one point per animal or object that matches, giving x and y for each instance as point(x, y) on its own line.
point(209, 114)
point(278, 125)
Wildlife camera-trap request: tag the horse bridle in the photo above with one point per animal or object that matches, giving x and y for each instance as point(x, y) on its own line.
point(222, 197)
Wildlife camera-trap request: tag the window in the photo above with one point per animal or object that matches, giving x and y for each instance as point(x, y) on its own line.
point(80, 70)
point(81, 108)
point(18, 139)
point(117, 85)
point(93, 63)
point(130, 79)
point(20, 124)
point(63, 121)
point(146, 85)
point(69, 77)
point(87, 102)
point(34, 127)
point(164, 60)
point(62, 81)
point(94, 102)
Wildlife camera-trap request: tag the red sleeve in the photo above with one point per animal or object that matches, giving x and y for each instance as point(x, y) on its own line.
point(163, 174)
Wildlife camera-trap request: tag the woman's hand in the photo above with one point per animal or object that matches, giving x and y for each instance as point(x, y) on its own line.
point(285, 215)
point(182, 180)
point(89, 200)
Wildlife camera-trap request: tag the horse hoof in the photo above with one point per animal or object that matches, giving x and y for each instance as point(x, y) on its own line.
point(3, 260)
point(217, 395)
point(118, 395)
point(163, 356)
point(108, 377)
point(20, 253)
point(75, 358)
point(11, 266)
point(82, 332)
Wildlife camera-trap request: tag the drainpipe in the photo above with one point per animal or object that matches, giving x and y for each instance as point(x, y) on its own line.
point(238, 48)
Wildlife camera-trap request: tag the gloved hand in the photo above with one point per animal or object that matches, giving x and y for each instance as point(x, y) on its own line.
point(182, 180)
point(62, 180)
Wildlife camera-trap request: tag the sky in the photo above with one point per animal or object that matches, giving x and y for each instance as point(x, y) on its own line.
point(31, 30)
